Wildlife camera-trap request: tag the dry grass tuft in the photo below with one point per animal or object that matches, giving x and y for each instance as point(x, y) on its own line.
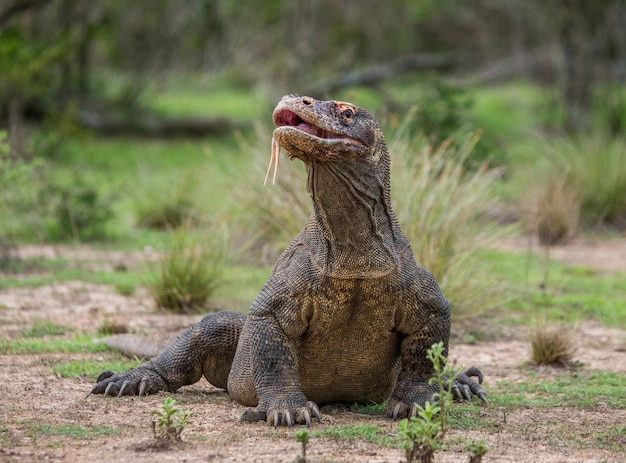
point(552, 345)
point(551, 209)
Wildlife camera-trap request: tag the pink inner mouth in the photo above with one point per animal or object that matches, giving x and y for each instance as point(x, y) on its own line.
point(291, 119)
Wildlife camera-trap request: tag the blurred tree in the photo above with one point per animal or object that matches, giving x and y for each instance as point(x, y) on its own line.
point(582, 27)
point(53, 50)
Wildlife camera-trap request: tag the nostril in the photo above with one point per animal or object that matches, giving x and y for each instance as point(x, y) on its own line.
point(307, 101)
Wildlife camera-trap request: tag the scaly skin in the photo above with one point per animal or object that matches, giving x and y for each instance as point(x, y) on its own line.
point(346, 316)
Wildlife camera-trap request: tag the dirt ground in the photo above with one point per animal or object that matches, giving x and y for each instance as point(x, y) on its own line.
point(34, 401)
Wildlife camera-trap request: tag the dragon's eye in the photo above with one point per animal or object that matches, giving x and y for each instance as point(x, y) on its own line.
point(347, 114)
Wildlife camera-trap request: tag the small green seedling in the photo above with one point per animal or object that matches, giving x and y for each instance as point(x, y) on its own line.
point(170, 422)
point(423, 434)
point(478, 448)
point(303, 436)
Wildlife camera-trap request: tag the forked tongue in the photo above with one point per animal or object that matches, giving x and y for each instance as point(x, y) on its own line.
point(275, 155)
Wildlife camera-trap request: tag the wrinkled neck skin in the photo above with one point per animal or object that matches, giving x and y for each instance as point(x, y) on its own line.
point(353, 214)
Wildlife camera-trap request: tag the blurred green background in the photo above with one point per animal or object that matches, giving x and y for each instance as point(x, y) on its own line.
point(123, 121)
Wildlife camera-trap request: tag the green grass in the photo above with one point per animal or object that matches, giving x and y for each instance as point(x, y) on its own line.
point(92, 368)
point(584, 389)
point(558, 292)
point(42, 328)
point(121, 280)
point(79, 343)
point(508, 111)
point(69, 430)
point(208, 99)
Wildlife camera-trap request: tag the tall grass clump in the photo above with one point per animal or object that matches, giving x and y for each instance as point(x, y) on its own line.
point(439, 203)
point(188, 274)
point(573, 180)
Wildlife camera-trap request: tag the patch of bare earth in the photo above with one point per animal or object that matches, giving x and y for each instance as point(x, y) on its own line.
point(36, 404)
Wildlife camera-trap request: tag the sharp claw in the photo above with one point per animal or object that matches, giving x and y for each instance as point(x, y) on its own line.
point(482, 396)
point(276, 419)
point(457, 393)
point(108, 389)
point(316, 411)
point(317, 414)
point(413, 411)
point(142, 385)
point(93, 389)
point(396, 410)
point(467, 393)
point(288, 418)
point(307, 418)
point(123, 387)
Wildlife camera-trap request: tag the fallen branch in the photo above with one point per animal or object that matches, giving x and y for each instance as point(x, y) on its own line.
point(152, 126)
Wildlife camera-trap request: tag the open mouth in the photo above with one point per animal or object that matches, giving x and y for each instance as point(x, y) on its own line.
point(287, 118)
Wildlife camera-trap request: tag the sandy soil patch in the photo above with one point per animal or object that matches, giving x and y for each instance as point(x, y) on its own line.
point(35, 403)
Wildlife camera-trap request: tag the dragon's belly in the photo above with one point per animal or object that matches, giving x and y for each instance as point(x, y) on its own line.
point(351, 351)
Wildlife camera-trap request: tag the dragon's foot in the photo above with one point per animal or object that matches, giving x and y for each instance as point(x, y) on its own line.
point(405, 408)
point(405, 401)
point(464, 387)
point(284, 415)
point(142, 380)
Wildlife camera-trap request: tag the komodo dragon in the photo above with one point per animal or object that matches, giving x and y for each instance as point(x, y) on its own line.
point(346, 316)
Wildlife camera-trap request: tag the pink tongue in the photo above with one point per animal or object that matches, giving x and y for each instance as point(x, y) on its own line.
point(307, 128)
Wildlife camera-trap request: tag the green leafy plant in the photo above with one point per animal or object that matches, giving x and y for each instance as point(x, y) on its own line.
point(443, 379)
point(478, 449)
point(189, 273)
point(77, 210)
point(423, 434)
point(303, 437)
point(170, 421)
point(442, 111)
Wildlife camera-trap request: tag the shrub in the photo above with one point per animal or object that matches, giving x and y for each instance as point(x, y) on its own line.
point(75, 209)
point(188, 274)
point(580, 176)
